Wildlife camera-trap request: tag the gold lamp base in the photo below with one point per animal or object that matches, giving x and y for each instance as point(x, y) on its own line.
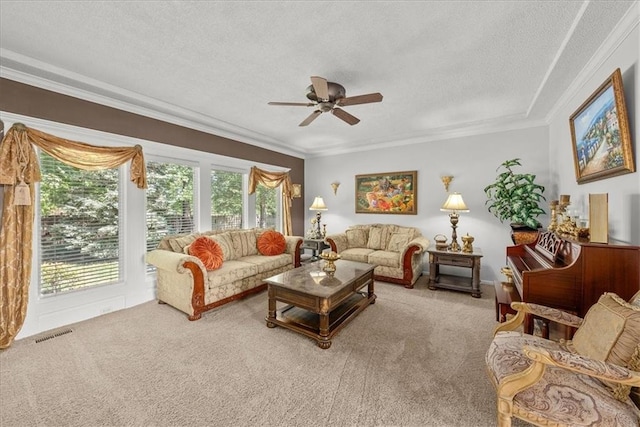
point(454, 217)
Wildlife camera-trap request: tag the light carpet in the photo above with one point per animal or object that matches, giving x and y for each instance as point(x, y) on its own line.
point(414, 358)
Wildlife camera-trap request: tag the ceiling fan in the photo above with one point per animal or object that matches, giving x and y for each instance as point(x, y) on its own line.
point(328, 97)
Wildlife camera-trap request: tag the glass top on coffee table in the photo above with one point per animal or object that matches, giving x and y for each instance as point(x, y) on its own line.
point(312, 280)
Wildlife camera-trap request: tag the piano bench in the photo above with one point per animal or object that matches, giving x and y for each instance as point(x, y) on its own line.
point(506, 293)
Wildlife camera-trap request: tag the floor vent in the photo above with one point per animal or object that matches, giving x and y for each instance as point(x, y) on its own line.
point(54, 335)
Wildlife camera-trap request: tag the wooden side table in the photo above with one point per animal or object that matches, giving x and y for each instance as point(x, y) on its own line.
point(316, 246)
point(455, 259)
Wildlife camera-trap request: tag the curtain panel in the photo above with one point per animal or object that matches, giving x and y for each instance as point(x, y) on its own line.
point(273, 180)
point(19, 163)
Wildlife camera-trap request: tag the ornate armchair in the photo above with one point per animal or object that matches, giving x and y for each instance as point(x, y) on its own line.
point(592, 380)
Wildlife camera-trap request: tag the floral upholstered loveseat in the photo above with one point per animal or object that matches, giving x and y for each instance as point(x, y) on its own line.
point(185, 283)
point(396, 251)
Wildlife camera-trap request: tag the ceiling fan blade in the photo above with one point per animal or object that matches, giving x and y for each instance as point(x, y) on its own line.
point(343, 115)
point(320, 87)
point(360, 99)
point(311, 118)
point(295, 104)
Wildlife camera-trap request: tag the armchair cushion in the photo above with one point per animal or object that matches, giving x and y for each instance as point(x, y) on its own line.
point(610, 331)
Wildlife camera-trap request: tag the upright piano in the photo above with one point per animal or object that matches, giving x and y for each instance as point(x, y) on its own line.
point(571, 275)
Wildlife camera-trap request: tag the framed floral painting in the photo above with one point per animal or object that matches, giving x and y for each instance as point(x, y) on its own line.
point(387, 193)
point(600, 134)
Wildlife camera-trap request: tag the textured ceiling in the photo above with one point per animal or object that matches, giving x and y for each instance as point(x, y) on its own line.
point(442, 67)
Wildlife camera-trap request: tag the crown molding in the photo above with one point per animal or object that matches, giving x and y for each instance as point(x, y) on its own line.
point(625, 26)
point(32, 72)
point(558, 55)
point(158, 149)
point(503, 124)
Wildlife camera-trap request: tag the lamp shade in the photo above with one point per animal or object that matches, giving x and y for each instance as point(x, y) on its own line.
point(454, 203)
point(318, 204)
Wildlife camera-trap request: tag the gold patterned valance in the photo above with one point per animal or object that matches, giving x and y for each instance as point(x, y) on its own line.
point(77, 154)
point(274, 180)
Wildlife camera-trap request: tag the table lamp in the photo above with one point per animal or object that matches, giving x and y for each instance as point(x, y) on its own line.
point(454, 204)
point(318, 205)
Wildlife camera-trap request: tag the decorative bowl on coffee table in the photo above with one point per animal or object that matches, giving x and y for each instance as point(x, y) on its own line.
point(330, 258)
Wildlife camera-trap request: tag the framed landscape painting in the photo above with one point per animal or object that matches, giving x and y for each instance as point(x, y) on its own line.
point(387, 193)
point(600, 134)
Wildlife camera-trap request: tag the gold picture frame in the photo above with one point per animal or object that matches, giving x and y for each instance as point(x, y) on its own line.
point(387, 193)
point(600, 134)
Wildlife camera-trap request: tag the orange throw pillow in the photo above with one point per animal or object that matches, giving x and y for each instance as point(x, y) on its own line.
point(271, 243)
point(208, 251)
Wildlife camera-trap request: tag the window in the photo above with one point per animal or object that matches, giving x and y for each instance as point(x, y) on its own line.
point(170, 201)
point(226, 199)
point(267, 207)
point(80, 227)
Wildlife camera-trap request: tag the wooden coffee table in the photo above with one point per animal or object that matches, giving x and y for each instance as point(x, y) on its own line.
point(319, 304)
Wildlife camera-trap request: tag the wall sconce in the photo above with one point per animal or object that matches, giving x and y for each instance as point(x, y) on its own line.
point(446, 180)
point(335, 186)
point(296, 190)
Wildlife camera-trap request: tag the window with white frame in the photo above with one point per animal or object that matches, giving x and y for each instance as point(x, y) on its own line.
point(227, 196)
point(170, 201)
point(267, 207)
point(79, 227)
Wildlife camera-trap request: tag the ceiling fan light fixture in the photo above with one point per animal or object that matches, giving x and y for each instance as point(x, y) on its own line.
point(327, 97)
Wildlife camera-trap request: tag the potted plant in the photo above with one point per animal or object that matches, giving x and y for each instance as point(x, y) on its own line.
point(515, 197)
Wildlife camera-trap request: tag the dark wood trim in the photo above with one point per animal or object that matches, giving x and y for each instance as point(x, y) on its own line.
point(224, 301)
point(297, 262)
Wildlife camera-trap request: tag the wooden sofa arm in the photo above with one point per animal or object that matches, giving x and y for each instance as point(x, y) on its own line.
point(549, 313)
point(294, 243)
point(338, 242)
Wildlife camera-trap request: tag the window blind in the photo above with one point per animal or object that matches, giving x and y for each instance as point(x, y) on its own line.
point(79, 227)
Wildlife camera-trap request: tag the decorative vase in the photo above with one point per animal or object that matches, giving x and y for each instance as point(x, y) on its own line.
point(329, 265)
point(467, 241)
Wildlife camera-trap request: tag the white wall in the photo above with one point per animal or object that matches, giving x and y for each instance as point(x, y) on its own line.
point(472, 161)
point(544, 150)
point(622, 51)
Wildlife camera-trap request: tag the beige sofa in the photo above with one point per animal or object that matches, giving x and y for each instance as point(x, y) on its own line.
point(396, 251)
point(184, 283)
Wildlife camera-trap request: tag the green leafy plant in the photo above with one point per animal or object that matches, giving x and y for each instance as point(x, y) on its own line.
point(515, 197)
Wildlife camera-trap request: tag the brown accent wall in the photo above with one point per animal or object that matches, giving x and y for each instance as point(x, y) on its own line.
point(19, 98)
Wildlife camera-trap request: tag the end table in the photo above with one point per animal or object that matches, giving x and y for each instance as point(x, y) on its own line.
point(455, 259)
point(316, 246)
